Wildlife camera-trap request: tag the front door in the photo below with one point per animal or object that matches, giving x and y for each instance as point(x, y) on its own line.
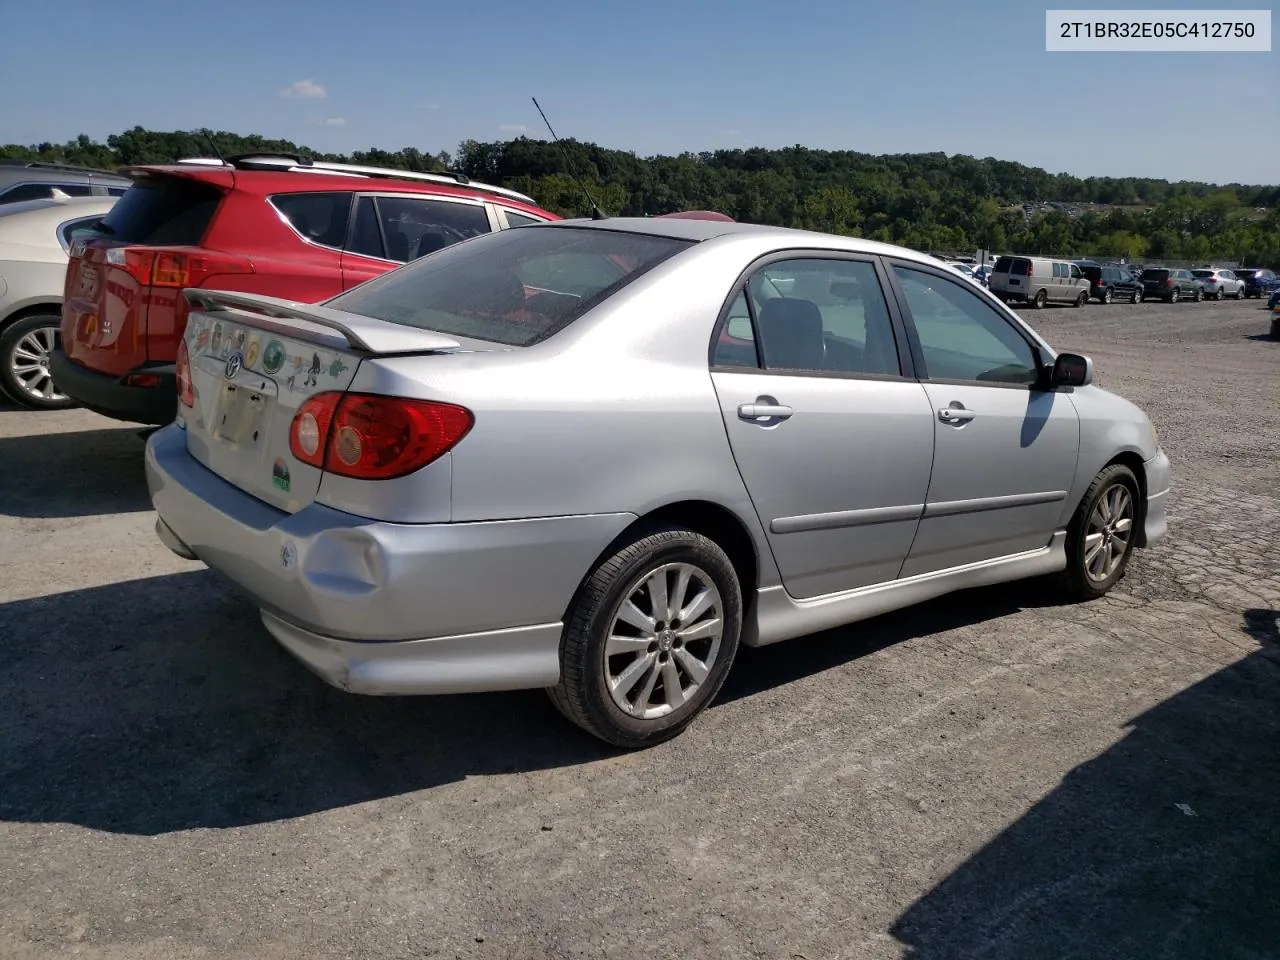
point(1005, 451)
point(833, 443)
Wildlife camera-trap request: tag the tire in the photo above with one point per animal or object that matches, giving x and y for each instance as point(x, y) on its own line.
point(24, 378)
point(1239, 294)
point(1139, 295)
point(1041, 298)
point(1087, 576)
point(584, 693)
point(1275, 329)
point(1106, 296)
point(1172, 297)
point(1199, 294)
point(1082, 299)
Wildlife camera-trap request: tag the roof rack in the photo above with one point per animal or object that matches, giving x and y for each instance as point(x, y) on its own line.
point(46, 165)
point(299, 164)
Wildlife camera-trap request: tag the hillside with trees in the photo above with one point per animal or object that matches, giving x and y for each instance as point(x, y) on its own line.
point(928, 201)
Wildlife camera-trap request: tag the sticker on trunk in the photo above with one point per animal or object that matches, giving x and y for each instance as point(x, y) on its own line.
point(216, 345)
point(251, 353)
point(273, 357)
point(280, 475)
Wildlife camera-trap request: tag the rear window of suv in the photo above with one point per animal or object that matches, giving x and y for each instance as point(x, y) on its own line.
point(1155, 274)
point(515, 287)
point(162, 211)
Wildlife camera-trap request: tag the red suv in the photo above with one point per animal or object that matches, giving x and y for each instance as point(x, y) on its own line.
point(282, 226)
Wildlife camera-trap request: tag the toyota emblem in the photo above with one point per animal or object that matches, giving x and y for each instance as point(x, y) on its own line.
point(234, 363)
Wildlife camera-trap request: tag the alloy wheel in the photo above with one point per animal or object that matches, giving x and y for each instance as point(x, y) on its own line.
point(29, 364)
point(1110, 529)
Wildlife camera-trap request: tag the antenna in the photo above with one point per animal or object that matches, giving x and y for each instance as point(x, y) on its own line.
point(208, 135)
point(596, 212)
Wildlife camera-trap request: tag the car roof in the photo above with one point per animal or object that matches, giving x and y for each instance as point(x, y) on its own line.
point(19, 172)
point(32, 221)
point(264, 182)
point(703, 230)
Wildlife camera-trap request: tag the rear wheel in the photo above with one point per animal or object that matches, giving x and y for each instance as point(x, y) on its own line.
point(1173, 297)
point(1106, 295)
point(1102, 534)
point(1239, 293)
point(1040, 300)
point(26, 347)
point(649, 638)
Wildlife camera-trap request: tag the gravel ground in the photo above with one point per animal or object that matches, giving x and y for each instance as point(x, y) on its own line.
point(990, 775)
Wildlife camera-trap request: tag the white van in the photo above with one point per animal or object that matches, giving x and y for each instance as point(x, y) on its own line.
point(1039, 281)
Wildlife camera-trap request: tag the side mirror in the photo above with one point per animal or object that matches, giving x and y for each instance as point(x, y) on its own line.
point(1072, 370)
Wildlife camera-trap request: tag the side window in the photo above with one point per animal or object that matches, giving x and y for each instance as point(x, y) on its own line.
point(736, 345)
point(366, 238)
point(1075, 272)
point(518, 219)
point(71, 229)
point(818, 315)
point(1059, 270)
point(318, 217)
point(414, 227)
point(116, 191)
point(26, 191)
point(962, 337)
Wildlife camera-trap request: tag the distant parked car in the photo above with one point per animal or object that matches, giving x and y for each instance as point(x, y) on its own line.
point(1220, 283)
point(457, 489)
point(30, 180)
point(1039, 280)
point(1171, 285)
point(34, 238)
point(1258, 281)
point(1107, 283)
point(283, 226)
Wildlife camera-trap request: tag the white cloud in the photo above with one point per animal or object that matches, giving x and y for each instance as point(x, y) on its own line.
point(514, 128)
point(330, 122)
point(304, 90)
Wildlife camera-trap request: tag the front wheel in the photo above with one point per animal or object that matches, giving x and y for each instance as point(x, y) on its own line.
point(1081, 300)
point(1102, 534)
point(1239, 294)
point(650, 637)
point(1139, 295)
point(26, 347)
point(1173, 297)
point(1106, 295)
point(1199, 295)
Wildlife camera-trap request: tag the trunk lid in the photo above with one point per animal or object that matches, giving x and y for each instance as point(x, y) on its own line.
point(254, 360)
point(110, 308)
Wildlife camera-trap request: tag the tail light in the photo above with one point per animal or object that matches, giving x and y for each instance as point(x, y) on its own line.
point(185, 391)
point(1169, 282)
point(168, 268)
point(372, 437)
point(1031, 269)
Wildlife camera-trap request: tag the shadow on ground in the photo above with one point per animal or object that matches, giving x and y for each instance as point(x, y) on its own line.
point(162, 704)
point(80, 474)
point(1167, 845)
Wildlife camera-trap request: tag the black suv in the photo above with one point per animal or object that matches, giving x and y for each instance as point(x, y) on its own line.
point(1109, 282)
point(1171, 285)
point(1257, 281)
point(32, 180)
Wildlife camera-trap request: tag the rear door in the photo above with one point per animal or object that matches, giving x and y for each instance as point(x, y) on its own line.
point(105, 304)
point(1004, 451)
point(833, 442)
point(388, 230)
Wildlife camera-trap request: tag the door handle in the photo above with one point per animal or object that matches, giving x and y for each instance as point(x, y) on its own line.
point(955, 415)
point(764, 411)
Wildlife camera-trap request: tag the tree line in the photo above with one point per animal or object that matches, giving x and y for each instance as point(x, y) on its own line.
point(927, 201)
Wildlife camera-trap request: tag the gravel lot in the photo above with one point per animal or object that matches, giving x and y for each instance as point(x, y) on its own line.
point(990, 775)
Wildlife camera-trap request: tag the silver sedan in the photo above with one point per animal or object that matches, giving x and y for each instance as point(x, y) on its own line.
point(599, 456)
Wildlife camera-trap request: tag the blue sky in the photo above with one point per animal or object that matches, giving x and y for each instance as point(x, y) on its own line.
point(653, 77)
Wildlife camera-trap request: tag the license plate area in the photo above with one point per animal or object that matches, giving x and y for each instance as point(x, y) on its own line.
point(241, 416)
point(1014, 282)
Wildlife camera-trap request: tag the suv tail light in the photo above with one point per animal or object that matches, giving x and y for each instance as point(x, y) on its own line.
point(372, 437)
point(186, 393)
point(1169, 282)
point(167, 268)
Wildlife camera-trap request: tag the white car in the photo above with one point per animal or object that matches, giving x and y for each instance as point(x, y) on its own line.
point(34, 238)
point(1220, 283)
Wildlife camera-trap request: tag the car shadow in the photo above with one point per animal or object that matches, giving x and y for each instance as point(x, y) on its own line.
point(1262, 338)
point(124, 708)
point(81, 474)
point(1165, 845)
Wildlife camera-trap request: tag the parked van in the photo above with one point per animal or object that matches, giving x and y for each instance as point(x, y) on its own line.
point(1039, 281)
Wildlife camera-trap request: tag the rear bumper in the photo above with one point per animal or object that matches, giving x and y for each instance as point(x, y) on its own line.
point(1159, 473)
point(383, 608)
point(111, 397)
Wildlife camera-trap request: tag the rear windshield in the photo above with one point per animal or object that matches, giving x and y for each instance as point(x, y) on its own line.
point(1150, 274)
point(514, 287)
point(162, 211)
point(1093, 273)
point(1202, 273)
point(1002, 265)
point(1019, 267)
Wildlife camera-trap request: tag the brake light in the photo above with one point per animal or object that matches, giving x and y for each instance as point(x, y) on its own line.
point(148, 380)
point(373, 437)
point(186, 393)
point(168, 268)
point(1169, 282)
point(136, 262)
point(1031, 269)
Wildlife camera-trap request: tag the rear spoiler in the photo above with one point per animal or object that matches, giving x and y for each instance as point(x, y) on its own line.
point(362, 333)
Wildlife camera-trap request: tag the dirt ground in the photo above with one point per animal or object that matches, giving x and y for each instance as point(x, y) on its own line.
point(991, 775)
